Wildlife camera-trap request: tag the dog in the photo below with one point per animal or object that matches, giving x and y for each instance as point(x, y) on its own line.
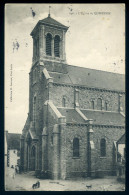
point(89, 186)
point(36, 185)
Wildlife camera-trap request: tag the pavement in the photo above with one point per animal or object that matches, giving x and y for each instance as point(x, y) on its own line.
point(24, 182)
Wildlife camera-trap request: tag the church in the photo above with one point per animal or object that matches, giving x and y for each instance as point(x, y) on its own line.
point(76, 115)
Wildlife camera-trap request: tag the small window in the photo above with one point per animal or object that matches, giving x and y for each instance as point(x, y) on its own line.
point(63, 102)
point(52, 139)
point(37, 47)
point(57, 46)
point(33, 151)
point(49, 44)
point(99, 104)
point(106, 106)
point(34, 110)
point(92, 105)
point(75, 147)
point(35, 75)
point(103, 147)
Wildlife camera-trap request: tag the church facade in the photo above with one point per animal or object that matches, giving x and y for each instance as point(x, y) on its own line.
point(76, 114)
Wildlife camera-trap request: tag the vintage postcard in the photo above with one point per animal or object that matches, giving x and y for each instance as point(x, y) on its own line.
point(65, 97)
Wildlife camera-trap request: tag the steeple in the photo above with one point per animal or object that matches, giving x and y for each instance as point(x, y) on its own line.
point(49, 40)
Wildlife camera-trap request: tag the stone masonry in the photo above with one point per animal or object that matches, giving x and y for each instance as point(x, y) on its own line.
point(68, 105)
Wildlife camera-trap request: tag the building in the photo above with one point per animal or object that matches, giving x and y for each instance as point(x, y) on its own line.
point(12, 149)
point(120, 157)
point(75, 114)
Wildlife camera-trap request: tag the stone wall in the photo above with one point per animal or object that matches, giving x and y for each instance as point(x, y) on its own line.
point(50, 125)
point(76, 166)
point(57, 93)
point(110, 134)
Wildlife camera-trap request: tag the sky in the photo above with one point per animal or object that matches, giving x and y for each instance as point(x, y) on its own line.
point(95, 39)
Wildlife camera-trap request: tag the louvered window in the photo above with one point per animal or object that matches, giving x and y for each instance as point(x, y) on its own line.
point(49, 44)
point(57, 46)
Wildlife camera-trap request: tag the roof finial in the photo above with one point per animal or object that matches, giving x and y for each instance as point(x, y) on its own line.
point(49, 11)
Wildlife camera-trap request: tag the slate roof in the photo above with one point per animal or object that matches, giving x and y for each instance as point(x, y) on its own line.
point(52, 22)
point(104, 118)
point(71, 115)
point(99, 117)
point(13, 140)
point(91, 78)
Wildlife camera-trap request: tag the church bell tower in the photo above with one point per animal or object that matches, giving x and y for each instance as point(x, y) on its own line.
point(49, 41)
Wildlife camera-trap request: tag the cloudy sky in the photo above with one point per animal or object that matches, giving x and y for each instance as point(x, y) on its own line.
point(94, 40)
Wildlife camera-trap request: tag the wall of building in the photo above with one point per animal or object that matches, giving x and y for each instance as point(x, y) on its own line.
point(86, 96)
point(13, 157)
point(121, 148)
point(51, 121)
point(110, 134)
point(123, 102)
point(57, 93)
point(76, 166)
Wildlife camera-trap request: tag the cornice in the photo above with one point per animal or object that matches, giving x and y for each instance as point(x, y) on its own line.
point(95, 125)
point(86, 87)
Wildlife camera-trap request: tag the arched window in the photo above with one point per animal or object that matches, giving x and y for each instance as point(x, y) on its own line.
point(49, 44)
point(57, 46)
point(106, 106)
point(103, 147)
point(99, 104)
point(33, 151)
point(34, 75)
point(63, 102)
point(34, 110)
point(37, 47)
point(92, 105)
point(75, 147)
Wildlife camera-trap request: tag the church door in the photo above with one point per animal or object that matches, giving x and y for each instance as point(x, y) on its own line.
point(33, 155)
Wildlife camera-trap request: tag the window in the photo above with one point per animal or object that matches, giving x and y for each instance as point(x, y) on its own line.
point(37, 47)
point(52, 139)
point(75, 147)
point(33, 151)
point(49, 44)
point(57, 46)
point(106, 106)
point(34, 110)
point(103, 147)
point(99, 104)
point(64, 102)
point(92, 105)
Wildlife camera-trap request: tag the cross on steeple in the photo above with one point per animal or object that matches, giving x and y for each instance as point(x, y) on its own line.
point(49, 11)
